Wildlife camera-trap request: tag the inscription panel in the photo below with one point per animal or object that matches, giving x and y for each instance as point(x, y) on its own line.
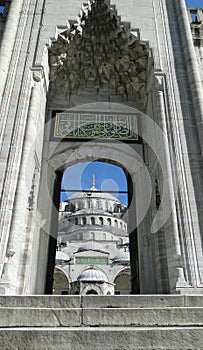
point(92, 126)
point(91, 260)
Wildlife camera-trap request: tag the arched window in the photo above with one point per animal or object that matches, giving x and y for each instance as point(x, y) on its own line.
point(106, 206)
point(79, 205)
point(116, 223)
point(101, 221)
point(92, 236)
point(84, 221)
point(92, 221)
point(88, 204)
point(109, 221)
point(76, 221)
point(92, 291)
point(121, 225)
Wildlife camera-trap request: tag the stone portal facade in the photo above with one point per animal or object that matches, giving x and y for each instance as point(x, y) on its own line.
point(102, 63)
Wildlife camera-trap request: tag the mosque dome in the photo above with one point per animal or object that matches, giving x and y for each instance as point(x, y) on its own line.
point(92, 275)
point(122, 258)
point(93, 193)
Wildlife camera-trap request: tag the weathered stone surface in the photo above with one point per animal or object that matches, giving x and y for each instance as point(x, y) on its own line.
point(143, 317)
point(41, 301)
point(103, 338)
point(39, 317)
point(133, 301)
point(193, 300)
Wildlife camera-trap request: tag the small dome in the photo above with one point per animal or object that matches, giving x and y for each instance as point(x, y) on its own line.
point(61, 256)
point(92, 275)
point(122, 258)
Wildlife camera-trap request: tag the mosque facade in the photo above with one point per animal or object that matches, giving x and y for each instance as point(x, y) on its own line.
point(93, 245)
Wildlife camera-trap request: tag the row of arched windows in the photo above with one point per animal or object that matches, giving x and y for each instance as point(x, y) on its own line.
point(93, 204)
point(99, 221)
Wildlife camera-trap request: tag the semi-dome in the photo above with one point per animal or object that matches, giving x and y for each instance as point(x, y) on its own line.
point(61, 256)
point(91, 246)
point(92, 275)
point(122, 258)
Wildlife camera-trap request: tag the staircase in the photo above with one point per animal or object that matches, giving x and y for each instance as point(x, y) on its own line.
point(107, 322)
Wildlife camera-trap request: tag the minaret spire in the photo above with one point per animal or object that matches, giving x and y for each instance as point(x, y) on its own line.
point(93, 183)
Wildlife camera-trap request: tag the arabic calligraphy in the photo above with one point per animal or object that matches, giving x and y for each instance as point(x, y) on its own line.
point(91, 126)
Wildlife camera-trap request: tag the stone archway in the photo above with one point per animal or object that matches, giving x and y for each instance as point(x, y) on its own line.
point(122, 282)
point(60, 154)
point(91, 292)
point(106, 156)
point(60, 282)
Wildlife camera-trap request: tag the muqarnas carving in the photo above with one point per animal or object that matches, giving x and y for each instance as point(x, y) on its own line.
point(98, 51)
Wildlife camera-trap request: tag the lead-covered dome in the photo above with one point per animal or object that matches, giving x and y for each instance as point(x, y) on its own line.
point(61, 256)
point(92, 194)
point(122, 258)
point(92, 275)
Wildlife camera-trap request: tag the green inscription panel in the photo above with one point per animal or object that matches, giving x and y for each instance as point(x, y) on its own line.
point(91, 261)
point(92, 126)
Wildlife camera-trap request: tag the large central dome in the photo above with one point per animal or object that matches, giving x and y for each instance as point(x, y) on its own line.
point(92, 193)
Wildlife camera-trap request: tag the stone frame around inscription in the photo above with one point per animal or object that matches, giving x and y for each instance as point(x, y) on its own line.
point(94, 125)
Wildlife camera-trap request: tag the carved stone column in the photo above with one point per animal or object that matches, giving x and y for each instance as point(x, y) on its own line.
point(8, 41)
point(192, 68)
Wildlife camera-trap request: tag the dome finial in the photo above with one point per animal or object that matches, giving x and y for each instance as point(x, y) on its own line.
point(93, 183)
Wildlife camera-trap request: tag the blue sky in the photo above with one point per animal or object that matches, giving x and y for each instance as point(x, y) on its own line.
point(194, 3)
point(108, 177)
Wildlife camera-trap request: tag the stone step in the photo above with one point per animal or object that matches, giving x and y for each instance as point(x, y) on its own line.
point(94, 338)
point(118, 301)
point(76, 317)
point(141, 322)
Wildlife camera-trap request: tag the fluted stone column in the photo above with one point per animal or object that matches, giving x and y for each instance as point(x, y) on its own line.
point(172, 236)
point(18, 242)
